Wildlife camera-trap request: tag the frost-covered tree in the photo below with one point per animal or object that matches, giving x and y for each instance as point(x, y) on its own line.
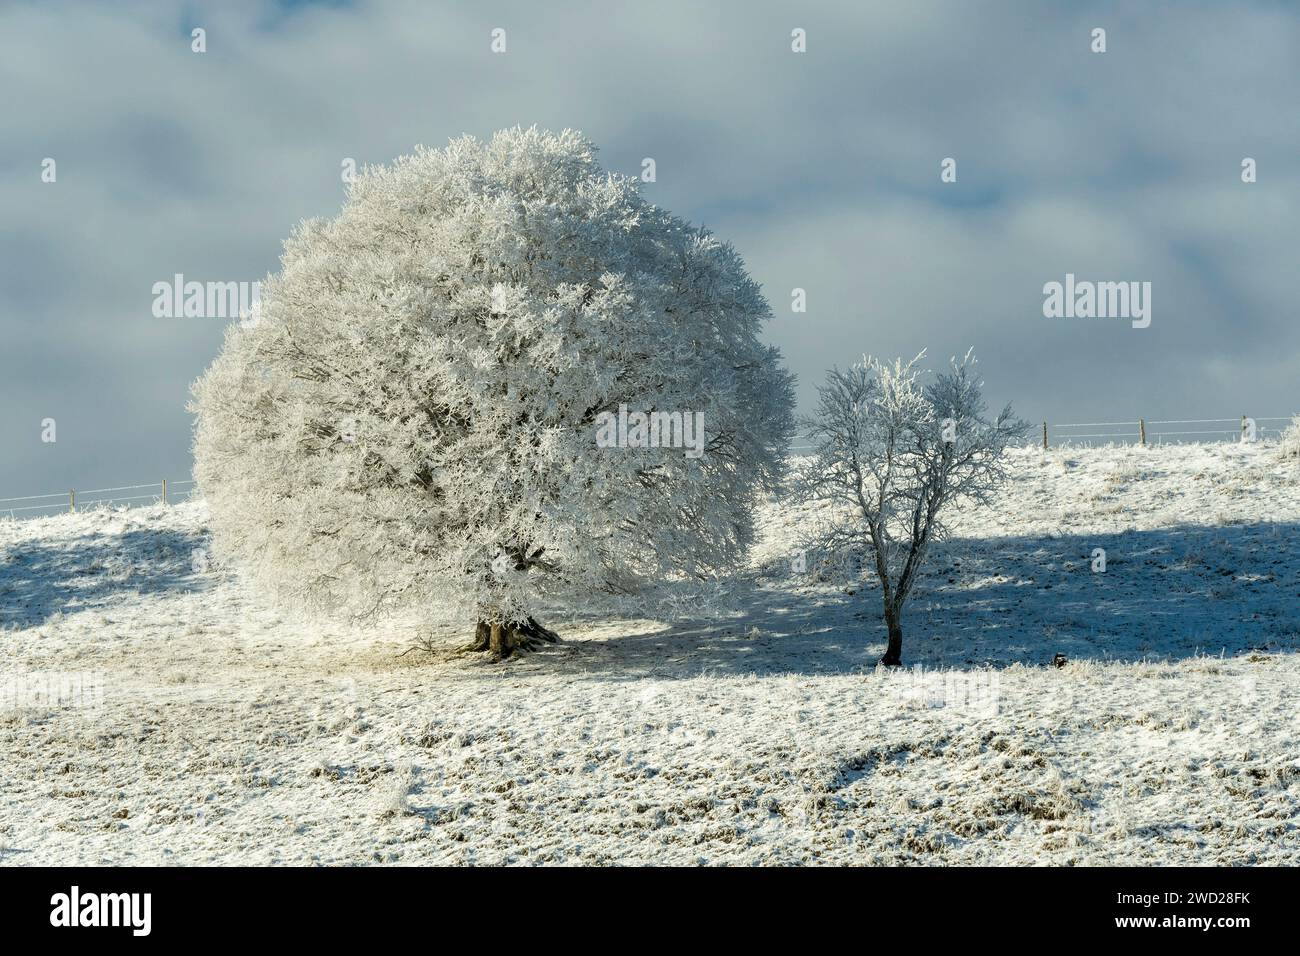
point(411, 423)
point(889, 457)
point(1288, 445)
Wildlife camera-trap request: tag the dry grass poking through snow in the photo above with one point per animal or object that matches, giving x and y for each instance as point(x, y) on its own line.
point(228, 734)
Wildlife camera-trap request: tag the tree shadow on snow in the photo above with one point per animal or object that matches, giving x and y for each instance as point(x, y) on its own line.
point(1165, 594)
point(93, 572)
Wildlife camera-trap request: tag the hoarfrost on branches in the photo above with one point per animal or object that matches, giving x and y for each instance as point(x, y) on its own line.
point(1289, 444)
point(411, 422)
point(889, 457)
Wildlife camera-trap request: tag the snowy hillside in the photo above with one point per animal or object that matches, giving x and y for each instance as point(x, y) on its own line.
point(222, 731)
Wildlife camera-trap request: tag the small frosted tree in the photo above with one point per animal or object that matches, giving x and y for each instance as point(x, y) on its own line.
point(410, 421)
point(1288, 445)
point(890, 456)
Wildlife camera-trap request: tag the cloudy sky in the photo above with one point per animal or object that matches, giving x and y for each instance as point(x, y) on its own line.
point(822, 168)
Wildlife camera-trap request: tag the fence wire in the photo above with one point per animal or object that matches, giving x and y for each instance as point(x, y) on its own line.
point(71, 499)
point(76, 500)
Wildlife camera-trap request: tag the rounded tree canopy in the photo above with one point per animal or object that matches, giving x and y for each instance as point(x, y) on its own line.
point(499, 378)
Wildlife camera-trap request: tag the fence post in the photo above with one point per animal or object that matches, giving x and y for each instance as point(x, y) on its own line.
point(1044, 436)
point(164, 500)
point(1142, 430)
point(72, 501)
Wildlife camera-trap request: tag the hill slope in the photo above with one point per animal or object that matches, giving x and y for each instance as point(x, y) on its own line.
point(213, 729)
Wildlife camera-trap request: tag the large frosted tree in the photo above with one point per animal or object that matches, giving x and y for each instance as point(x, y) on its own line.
point(411, 422)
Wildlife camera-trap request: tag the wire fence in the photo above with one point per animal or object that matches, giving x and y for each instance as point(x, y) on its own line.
point(1142, 431)
point(1153, 431)
point(1145, 431)
point(74, 500)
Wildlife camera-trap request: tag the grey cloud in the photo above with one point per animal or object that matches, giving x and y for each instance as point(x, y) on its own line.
point(821, 168)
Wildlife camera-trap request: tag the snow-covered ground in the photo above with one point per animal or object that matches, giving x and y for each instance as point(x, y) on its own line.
point(210, 728)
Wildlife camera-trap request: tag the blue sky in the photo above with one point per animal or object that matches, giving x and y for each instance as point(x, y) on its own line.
point(822, 168)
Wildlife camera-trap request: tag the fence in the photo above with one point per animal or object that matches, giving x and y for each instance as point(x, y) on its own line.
point(1145, 431)
point(69, 499)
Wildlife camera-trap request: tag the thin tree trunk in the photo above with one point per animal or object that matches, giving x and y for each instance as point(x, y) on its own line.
point(894, 649)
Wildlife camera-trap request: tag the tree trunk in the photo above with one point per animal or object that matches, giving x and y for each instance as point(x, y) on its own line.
point(502, 640)
point(894, 649)
point(482, 637)
point(499, 643)
point(533, 635)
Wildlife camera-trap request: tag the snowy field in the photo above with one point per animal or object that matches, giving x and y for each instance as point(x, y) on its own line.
point(213, 729)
